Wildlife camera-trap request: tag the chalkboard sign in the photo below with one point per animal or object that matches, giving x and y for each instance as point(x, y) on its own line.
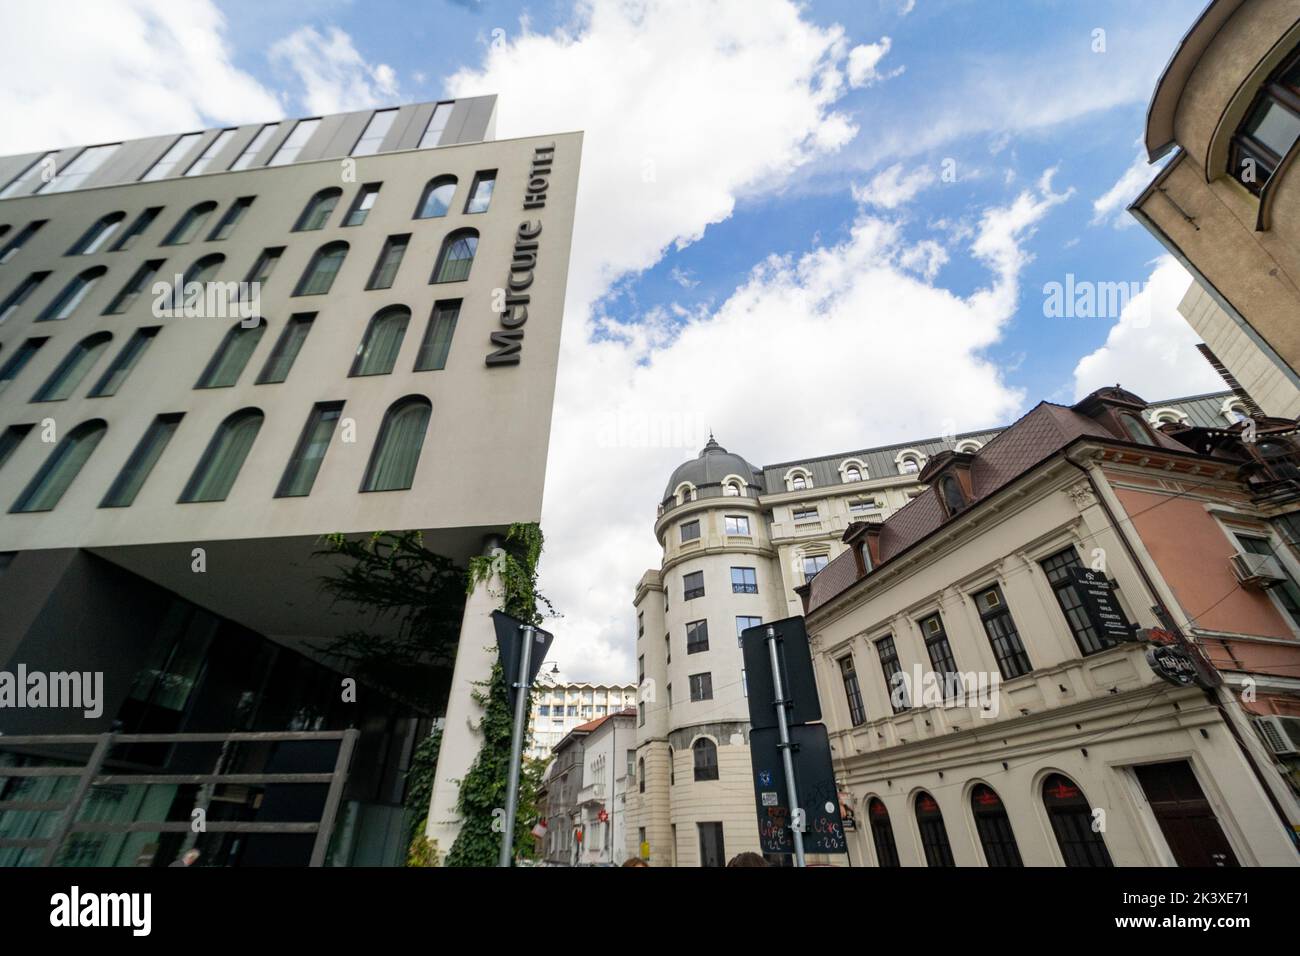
point(818, 795)
point(1098, 596)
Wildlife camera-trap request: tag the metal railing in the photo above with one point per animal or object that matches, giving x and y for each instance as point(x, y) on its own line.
point(92, 774)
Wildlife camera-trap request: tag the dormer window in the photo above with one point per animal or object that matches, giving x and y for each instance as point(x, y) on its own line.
point(1234, 411)
point(798, 483)
point(1136, 430)
point(968, 446)
point(954, 499)
point(1166, 416)
point(730, 489)
point(909, 462)
point(852, 473)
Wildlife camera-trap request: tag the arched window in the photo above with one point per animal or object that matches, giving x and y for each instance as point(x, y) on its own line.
point(852, 473)
point(1234, 411)
point(954, 499)
point(672, 770)
point(1166, 416)
point(882, 834)
point(934, 838)
point(456, 257)
point(730, 489)
point(378, 350)
point(318, 209)
point(203, 269)
point(190, 224)
point(73, 368)
point(798, 482)
point(61, 467)
point(968, 446)
point(320, 272)
point(994, 827)
point(224, 456)
point(1072, 821)
point(436, 199)
point(232, 355)
point(640, 774)
point(909, 462)
point(397, 450)
point(71, 296)
point(705, 752)
point(94, 238)
point(1136, 430)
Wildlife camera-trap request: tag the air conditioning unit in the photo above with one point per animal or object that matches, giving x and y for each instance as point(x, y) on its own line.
point(1282, 734)
point(1257, 570)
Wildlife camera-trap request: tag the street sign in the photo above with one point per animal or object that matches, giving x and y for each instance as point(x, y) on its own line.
point(508, 637)
point(1098, 595)
point(818, 795)
point(796, 674)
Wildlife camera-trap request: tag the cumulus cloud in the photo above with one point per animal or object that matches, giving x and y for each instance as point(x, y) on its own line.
point(895, 186)
point(1151, 350)
point(335, 78)
point(83, 71)
point(864, 62)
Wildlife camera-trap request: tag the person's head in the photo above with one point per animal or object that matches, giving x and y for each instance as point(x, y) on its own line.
point(747, 859)
point(635, 861)
point(191, 856)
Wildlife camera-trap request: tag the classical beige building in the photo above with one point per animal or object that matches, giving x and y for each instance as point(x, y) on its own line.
point(1226, 115)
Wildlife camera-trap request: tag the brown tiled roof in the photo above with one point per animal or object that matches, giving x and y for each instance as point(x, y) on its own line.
point(1044, 430)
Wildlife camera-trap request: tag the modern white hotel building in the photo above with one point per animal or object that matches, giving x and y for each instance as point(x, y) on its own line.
point(166, 478)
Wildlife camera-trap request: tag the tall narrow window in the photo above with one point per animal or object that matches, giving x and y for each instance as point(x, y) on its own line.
point(61, 467)
point(397, 450)
point(264, 265)
point(320, 272)
point(203, 269)
point(437, 123)
point(743, 623)
point(994, 827)
point(456, 257)
point(1074, 824)
point(318, 210)
point(12, 247)
point(934, 836)
point(893, 674)
point(75, 174)
point(362, 204)
point(227, 364)
point(480, 196)
point(697, 637)
point(255, 146)
point(224, 457)
point(689, 530)
point(16, 362)
point(882, 834)
point(436, 199)
point(390, 258)
point(940, 652)
point(372, 137)
point(137, 227)
point(125, 487)
point(25, 182)
point(701, 686)
point(204, 163)
point(95, 238)
point(14, 300)
point(857, 715)
point(378, 350)
point(10, 439)
point(693, 585)
point(705, 752)
point(1002, 633)
point(436, 344)
point(226, 225)
point(294, 142)
point(300, 474)
point(167, 163)
point(1058, 569)
point(125, 360)
point(139, 281)
point(190, 224)
point(73, 368)
point(286, 349)
point(71, 296)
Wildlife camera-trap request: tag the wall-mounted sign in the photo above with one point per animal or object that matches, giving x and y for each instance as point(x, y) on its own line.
point(1175, 664)
point(1098, 595)
point(508, 341)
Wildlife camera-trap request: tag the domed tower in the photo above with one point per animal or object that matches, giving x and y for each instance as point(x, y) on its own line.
point(693, 800)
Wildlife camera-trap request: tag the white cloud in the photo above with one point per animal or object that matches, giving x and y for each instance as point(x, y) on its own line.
point(83, 71)
point(1112, 205)
point(893, 187)
point(864, 60)
point(334, 76)
point(906, 7)
point(1151, 350)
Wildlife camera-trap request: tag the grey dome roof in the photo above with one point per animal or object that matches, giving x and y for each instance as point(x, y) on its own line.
point(709, 468)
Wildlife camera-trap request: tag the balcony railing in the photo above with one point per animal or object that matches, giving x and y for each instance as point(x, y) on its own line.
point(714, 490)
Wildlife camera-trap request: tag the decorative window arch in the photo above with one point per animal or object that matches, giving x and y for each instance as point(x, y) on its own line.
point(232, 355)
point(853, 469)
point(71, 295)
point(456, 257)
point(436, 198)
point(994, 827)
point(1233, 410)
point(1163, 416)
point(321, 270)
point(733, 486)
point(798, 479)
point(968, 446)
point(1070, 814)
point(318, 210)
point(909, 461)
point(934, 836)
point(397, 449)
point(94, 238)
point(684, 493)
point(377, 353)
point(74, 367)
point(704, 753)
point(190, 224)
point(882, 833)
point(222, 460)
point(61, 467)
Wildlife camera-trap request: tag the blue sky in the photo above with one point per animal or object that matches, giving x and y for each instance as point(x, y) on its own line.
point(766, 242)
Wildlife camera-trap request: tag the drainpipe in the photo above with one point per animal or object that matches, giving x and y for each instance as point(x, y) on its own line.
point(1167, 619)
